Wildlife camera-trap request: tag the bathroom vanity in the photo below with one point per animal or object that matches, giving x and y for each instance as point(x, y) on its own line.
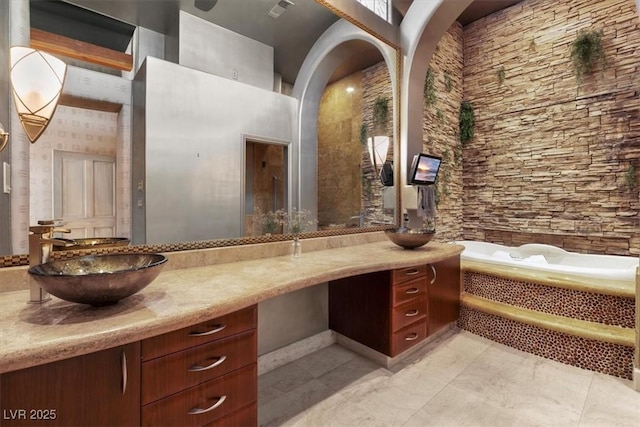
point(183, 351)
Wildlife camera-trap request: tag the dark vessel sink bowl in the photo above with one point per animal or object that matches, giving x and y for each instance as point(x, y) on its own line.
point(98, 280)
point(409, 238)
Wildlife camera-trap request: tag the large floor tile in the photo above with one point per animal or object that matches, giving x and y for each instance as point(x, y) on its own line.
point(334, 411)
point(450, 357)
point(355, 375)
point(290, 405)
point(611, 402)
point(325, 360)
point(456, 407)
point(281, 380)
point(397, 398)
point(540, 390)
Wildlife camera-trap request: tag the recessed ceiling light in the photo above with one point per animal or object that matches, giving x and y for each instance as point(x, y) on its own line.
point(279, 8)
point(350, 89)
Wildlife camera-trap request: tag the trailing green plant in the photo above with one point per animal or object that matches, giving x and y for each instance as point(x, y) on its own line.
point(448, 83)
point(630, 178)
point(363, 134)
point(380, 110)
point(430, 88)
point(501, 75)
point(587, 52)
point(467, 122)
point(439, 114)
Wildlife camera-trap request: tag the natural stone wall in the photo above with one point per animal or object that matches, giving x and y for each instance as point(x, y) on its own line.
point(440, 132)
point(376, 82)
point(551, 158)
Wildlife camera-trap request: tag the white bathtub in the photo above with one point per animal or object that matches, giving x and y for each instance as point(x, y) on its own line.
point(551, 258)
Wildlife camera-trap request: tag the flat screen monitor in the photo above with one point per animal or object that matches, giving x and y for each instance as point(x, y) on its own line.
point(424, 169)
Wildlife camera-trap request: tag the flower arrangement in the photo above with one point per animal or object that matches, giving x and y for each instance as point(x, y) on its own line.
point(295, 222)
point(270, 222)
point(298, 221)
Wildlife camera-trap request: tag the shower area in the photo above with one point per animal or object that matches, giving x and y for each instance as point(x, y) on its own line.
point(265, 184)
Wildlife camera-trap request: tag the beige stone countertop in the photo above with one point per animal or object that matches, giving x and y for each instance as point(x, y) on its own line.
point(32, 335)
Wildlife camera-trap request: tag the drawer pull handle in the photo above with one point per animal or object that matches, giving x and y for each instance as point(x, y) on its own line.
point(216, 329)
point(412, 272)
point(218, 362)
point(435, 274)
point(412, 291)
point(198, 411)
point(411, 337)
point(412, 313)
point(123, 362)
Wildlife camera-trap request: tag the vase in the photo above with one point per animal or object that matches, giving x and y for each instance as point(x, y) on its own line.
point(296, 248)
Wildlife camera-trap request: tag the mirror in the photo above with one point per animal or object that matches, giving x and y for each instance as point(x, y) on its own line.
point(157, 17)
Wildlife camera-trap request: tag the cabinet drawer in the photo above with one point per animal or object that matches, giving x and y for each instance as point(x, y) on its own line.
point(407, 291)
point(201, 333)
point(410, 312)
point(408, 337)
point(205, 403)
point(170, 374)
point(402, 275)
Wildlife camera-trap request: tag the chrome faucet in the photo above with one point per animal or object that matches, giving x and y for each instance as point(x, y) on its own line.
point(41, 242)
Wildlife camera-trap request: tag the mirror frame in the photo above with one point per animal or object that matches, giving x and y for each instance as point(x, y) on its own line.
point(23, 259)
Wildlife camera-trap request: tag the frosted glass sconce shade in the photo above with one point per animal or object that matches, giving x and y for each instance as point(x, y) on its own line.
point(36, 83)
point(4, 137)
point(378, 149)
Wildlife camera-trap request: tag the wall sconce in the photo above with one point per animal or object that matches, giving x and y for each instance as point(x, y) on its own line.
point(4, 137)
point(378, 150)
point(36, 82)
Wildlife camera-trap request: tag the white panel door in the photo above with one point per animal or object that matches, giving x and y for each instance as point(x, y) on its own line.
point(84, 194)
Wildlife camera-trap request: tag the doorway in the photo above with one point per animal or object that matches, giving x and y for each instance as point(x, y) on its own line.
point(85, 193)
point(266, 182)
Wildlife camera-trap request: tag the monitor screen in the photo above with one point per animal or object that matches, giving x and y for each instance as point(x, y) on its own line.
point(424, 169)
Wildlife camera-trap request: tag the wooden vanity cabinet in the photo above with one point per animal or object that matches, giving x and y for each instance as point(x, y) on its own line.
point(386, 310)
point(391, 311)
point(101, 388)
point(205, 374)
point(444, 283)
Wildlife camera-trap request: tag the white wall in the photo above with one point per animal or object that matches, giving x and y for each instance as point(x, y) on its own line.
point(216, 50)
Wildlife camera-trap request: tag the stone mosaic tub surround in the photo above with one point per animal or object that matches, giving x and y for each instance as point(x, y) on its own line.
point(577, 304)
point(608, 358)
point(582, 321)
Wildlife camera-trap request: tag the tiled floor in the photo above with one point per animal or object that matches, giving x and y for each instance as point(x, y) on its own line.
point(464, 380)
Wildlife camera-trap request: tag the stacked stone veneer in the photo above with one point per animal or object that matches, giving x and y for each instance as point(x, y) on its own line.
point(440, 132)
point(376, 82)
point(550, 158)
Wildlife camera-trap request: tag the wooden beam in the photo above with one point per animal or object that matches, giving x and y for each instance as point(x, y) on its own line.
point(76, 49)
point(89, 104)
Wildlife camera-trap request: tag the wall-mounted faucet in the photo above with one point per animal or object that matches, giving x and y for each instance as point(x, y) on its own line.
point(41, 242)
